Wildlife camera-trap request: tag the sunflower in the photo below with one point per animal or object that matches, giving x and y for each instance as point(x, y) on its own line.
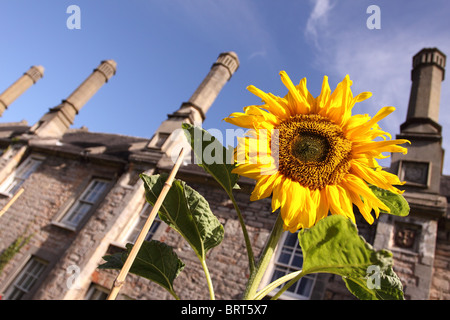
point(312, 155)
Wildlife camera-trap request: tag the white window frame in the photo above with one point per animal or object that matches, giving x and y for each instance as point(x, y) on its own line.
point(15, 180)
point(290, 267)
point(24, 282)
point(72, 219)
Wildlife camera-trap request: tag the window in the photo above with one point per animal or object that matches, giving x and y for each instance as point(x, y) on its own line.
point(143, 216)
point(289, 258)
point(85, 202)
point(97, 292)
point(26, 279)
point(133, 229)
point(15, 181)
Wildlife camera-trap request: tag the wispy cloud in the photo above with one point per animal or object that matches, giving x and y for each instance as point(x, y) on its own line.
point(317, 20)
point(261, 53)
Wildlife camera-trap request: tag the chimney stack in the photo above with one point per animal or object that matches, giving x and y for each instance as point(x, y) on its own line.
point(421, 170)
point(20, 86)
point(427, 74)
point(421, 167)
point(56, 122)
point(195, 109)
point(169, 137)
point(221, 71)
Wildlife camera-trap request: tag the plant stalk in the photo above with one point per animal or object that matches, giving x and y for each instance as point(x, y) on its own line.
point(288, 285)
point(256, 276)
point(208, 279)
point(261, 294)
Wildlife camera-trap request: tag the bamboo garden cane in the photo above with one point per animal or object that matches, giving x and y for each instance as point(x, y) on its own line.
point(120, 280)
point(10, 202)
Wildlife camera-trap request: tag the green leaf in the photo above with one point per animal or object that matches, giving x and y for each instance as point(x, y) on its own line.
point(389, 284)
point(186, 211)
point(155, 261)
point(396, 202)
point(212, 156)
point(334, 246)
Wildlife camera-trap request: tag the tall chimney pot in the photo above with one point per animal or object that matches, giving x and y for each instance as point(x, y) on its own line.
point(20, 86)
point(58, 119)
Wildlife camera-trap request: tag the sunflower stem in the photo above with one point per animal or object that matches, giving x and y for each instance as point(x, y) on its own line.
point(288, 285)
point(261, 294)
point(208, 279)
point(251, 257)
point(256, 276)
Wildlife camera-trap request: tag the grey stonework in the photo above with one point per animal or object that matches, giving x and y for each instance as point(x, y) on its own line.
point(72, 158)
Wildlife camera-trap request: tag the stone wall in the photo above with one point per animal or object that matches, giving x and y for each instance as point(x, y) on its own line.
point(48, 193)
point(440, 286)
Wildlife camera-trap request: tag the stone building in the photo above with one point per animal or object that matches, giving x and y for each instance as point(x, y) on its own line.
point(77, 194)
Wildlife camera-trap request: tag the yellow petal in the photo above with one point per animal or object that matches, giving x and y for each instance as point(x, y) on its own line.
point(302, 212)
point(357, 183)
point(301, 87)
point(346, 203)
point(291, 211)
point(297, 102)
point(264, 187)
point(363, 207)
point(262, 115)
point(323, 99)
point(272, 104)
point(320, 197)
point(309, 214)
point(249, 170)
point(365, 127)
point(339, 110)
point(277, 199)
point(253, 118)
point(333, 199)
point(240, 120)
point(339, 201)
point(362, 96)
point(376, 147)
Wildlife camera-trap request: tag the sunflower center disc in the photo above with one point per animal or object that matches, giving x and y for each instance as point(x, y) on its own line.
point(310, 148)
point(313, 151)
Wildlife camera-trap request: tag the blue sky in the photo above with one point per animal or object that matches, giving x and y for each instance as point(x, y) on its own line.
point(164, 48)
